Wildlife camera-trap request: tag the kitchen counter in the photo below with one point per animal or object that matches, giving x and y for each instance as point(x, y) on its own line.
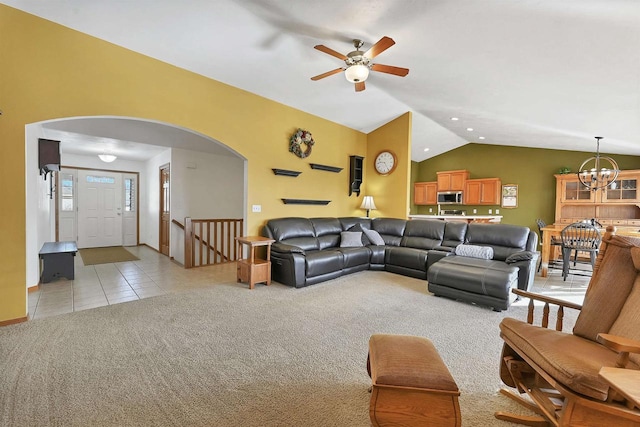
point(467, 218)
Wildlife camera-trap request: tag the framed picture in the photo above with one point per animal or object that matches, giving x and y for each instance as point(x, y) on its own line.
point(510, 196)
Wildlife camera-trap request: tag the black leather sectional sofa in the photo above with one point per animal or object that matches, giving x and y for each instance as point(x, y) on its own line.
point(308, 251)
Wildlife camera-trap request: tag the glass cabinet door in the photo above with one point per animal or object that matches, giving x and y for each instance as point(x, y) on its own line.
point(574, 191)
point(622, 190)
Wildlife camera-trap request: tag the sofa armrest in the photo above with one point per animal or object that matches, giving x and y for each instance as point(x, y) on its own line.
point(435, 255)
point(561, 304)
point(444, 248)
point(284, 248)
point(621, 345)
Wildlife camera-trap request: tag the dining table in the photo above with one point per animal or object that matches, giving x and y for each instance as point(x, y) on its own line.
point(552, 231)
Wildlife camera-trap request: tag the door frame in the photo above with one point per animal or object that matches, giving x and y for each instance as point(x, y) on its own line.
point(166, 166)
point(75, 189)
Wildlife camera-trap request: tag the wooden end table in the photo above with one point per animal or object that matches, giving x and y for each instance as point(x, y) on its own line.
point(255, 270)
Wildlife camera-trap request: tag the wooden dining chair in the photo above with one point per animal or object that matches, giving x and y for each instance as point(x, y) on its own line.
point(579, 237)
point(555, 242)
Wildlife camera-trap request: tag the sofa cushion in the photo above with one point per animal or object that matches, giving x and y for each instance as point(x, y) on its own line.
point(350, 221)
point(415, 259)
point(355, 256)
point(351, 239)
point(288, 228)
point(562, 356)
point(374, 237)
point(454, 233)
point(323, 262)
point(473, 251)
point(505, 239)
point(327, 232)
point(519, 256)
point(423, 233)
point(361, 229)
point(391, 229)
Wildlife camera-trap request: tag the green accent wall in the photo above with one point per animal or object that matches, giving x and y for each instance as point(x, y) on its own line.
point(532, 169)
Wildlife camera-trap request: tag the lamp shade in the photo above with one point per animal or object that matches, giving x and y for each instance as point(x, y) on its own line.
point(357, 73)
point(367, 203)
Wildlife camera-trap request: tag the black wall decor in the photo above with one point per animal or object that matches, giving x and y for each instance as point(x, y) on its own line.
point(48, 155)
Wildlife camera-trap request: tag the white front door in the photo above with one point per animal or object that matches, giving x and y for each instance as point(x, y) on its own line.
point(99, 209)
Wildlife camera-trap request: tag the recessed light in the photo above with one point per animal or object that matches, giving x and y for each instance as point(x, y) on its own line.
point(481, 137)
point(426, 149)
point(454, 118)
point(469, 129)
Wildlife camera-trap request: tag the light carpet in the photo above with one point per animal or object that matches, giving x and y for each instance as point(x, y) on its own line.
point(227, 356)
point(107, 255)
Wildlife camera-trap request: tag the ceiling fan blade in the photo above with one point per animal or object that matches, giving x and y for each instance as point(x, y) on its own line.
point(323, 48)
point(327, 74)
point(382, 45)
point(360, 87)
point(389, 69)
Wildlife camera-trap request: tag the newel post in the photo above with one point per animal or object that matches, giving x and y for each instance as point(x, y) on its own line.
point(188, 244)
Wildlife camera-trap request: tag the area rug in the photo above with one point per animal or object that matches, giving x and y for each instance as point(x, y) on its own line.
point(93, 256)
point(227, 356)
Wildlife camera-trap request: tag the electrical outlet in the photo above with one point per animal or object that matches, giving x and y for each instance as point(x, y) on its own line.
point(430, 210)
point(475, 211)
point(497, 211)
point(490, 211)
point(256, 208)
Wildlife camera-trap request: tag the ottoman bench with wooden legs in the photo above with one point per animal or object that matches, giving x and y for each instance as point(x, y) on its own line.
point(411, 386)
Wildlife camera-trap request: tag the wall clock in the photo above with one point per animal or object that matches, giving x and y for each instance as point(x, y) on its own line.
point(385, 162)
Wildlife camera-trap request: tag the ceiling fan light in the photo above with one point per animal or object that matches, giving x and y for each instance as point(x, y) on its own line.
point(107, 158)
point(357, 73)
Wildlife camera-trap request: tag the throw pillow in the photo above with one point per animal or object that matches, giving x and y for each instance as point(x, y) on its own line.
point(519, 256)
point(350, 239)
point(472, 251)
point(375, 237)
point(358, 227)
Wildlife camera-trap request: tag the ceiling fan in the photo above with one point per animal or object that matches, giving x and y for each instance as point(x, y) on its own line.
point(358, 63)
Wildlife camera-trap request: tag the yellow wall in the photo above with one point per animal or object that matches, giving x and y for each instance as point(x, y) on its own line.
point(49, 71)
point(391, 192)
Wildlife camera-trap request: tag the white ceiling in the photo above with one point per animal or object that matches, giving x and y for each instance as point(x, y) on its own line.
point(534, 73)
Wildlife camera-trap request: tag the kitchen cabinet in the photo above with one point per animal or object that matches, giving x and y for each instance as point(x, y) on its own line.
point(452, 180)
point(424, 193)
point(485, 191)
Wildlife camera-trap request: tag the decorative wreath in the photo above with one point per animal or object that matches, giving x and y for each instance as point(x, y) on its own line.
point(297, 139)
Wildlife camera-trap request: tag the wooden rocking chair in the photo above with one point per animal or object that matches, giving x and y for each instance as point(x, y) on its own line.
point(588, 377)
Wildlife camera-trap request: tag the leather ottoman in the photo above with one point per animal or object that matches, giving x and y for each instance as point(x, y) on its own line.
point(481, 281)
point(411, 386)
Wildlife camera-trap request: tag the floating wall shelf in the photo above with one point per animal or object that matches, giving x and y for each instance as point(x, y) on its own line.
point(305, 202)
point(325, 167)
point(286, 172)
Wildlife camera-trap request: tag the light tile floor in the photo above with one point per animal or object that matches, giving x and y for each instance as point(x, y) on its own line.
point(104, 284)
point(155, 274)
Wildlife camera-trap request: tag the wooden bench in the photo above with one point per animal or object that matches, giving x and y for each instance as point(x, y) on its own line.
point(57, 260)
point(411, 386)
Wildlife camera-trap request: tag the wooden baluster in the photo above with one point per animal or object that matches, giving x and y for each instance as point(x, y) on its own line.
point(545, 315)
point(530, 312)
point(215, 242)
point(560, 318)
point(208, 242)
point(229, 241)
point(201, 245)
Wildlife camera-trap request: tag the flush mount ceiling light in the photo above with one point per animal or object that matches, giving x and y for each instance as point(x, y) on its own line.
point(107, 158)
point(481, 137)
point(470, 129)
point(598, 177)
point(455, 119)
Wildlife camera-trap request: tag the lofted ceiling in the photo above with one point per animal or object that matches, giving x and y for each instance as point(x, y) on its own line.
point(533, 73)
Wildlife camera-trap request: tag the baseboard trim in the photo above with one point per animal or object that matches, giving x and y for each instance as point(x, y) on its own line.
point(33, 288)
point(14, 321)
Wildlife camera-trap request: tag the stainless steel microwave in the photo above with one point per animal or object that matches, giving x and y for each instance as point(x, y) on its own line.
point(450, 197)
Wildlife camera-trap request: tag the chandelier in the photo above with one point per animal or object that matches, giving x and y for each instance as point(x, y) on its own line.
point(598, 177)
